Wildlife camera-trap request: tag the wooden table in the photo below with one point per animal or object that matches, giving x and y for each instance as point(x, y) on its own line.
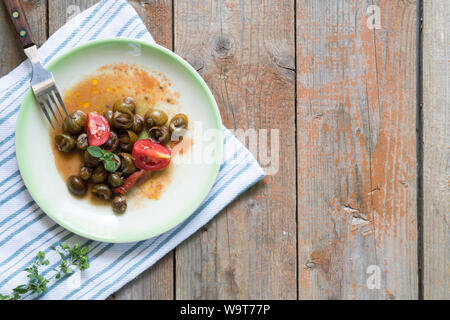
point(359, 207)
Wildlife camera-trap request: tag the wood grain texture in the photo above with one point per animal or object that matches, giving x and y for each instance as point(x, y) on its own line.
point(11, 52)
point(245, 50)
point(436, 121)
point(154, 284)
point(356, 150)
point(61, 11)
point(355, 137)
point(157, 282)
point(157, 16)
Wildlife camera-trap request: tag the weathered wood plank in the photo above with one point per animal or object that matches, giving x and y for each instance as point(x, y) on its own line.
point(356, 150)
point(157, 16)
point(154, 284)
point(11, 52)
point(157, 282)
point(436, 120)
point(245, 51)
point(62, 11)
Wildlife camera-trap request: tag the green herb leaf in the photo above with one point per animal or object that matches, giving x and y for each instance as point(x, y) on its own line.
point(21, 289)
point(110, 166)
point(96, 151)
point(71, 258)
point(41, 255)
point(108, 156)
point(105, 156)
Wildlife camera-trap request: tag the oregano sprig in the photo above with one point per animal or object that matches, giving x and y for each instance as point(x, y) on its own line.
point(105, 156)
point(72, 258)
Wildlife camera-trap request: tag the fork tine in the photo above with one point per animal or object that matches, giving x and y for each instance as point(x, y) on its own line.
point(46, 114)
point(61, 102)
point(52, 100)
point(48, 105)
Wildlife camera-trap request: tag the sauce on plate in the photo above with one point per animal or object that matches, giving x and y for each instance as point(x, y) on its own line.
point(98, 92)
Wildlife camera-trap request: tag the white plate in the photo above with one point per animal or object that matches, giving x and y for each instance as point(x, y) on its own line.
point(191, 179)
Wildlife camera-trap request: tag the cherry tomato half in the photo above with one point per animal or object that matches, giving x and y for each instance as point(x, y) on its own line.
point(150, 155)
point(97, 129)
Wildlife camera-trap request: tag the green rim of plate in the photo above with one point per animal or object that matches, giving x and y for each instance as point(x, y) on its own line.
point(33, 186)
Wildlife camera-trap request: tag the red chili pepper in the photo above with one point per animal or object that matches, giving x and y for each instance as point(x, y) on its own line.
point(129, 182)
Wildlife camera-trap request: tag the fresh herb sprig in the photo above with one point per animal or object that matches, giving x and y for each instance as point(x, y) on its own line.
point(72, 258)
point(105, 156)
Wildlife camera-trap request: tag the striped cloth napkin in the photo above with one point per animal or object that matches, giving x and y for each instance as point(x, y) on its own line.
point(25, 229)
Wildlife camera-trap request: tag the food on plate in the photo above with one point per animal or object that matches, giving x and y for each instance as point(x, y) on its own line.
point(76, 185)
point(115, 179)
point(155, 118)
point(102, 190)
point(119, 204)
point(114, 150)
point(178, 122)
point(150, 156)
point(85, 173)
point(65, 142)
point(159, 134)
point(129, 182)
point(138, 124)
point(97, 129)
point(127, 140)
point(82, 141)
point(112, 142)
point(75, 123)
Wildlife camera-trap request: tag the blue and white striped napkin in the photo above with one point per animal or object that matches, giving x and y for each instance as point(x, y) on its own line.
point(25, 229)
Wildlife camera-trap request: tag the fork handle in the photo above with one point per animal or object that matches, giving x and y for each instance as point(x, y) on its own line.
point(17, 14)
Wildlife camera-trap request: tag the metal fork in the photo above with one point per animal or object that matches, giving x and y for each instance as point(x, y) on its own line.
point(42, 82)
point(45, 90)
